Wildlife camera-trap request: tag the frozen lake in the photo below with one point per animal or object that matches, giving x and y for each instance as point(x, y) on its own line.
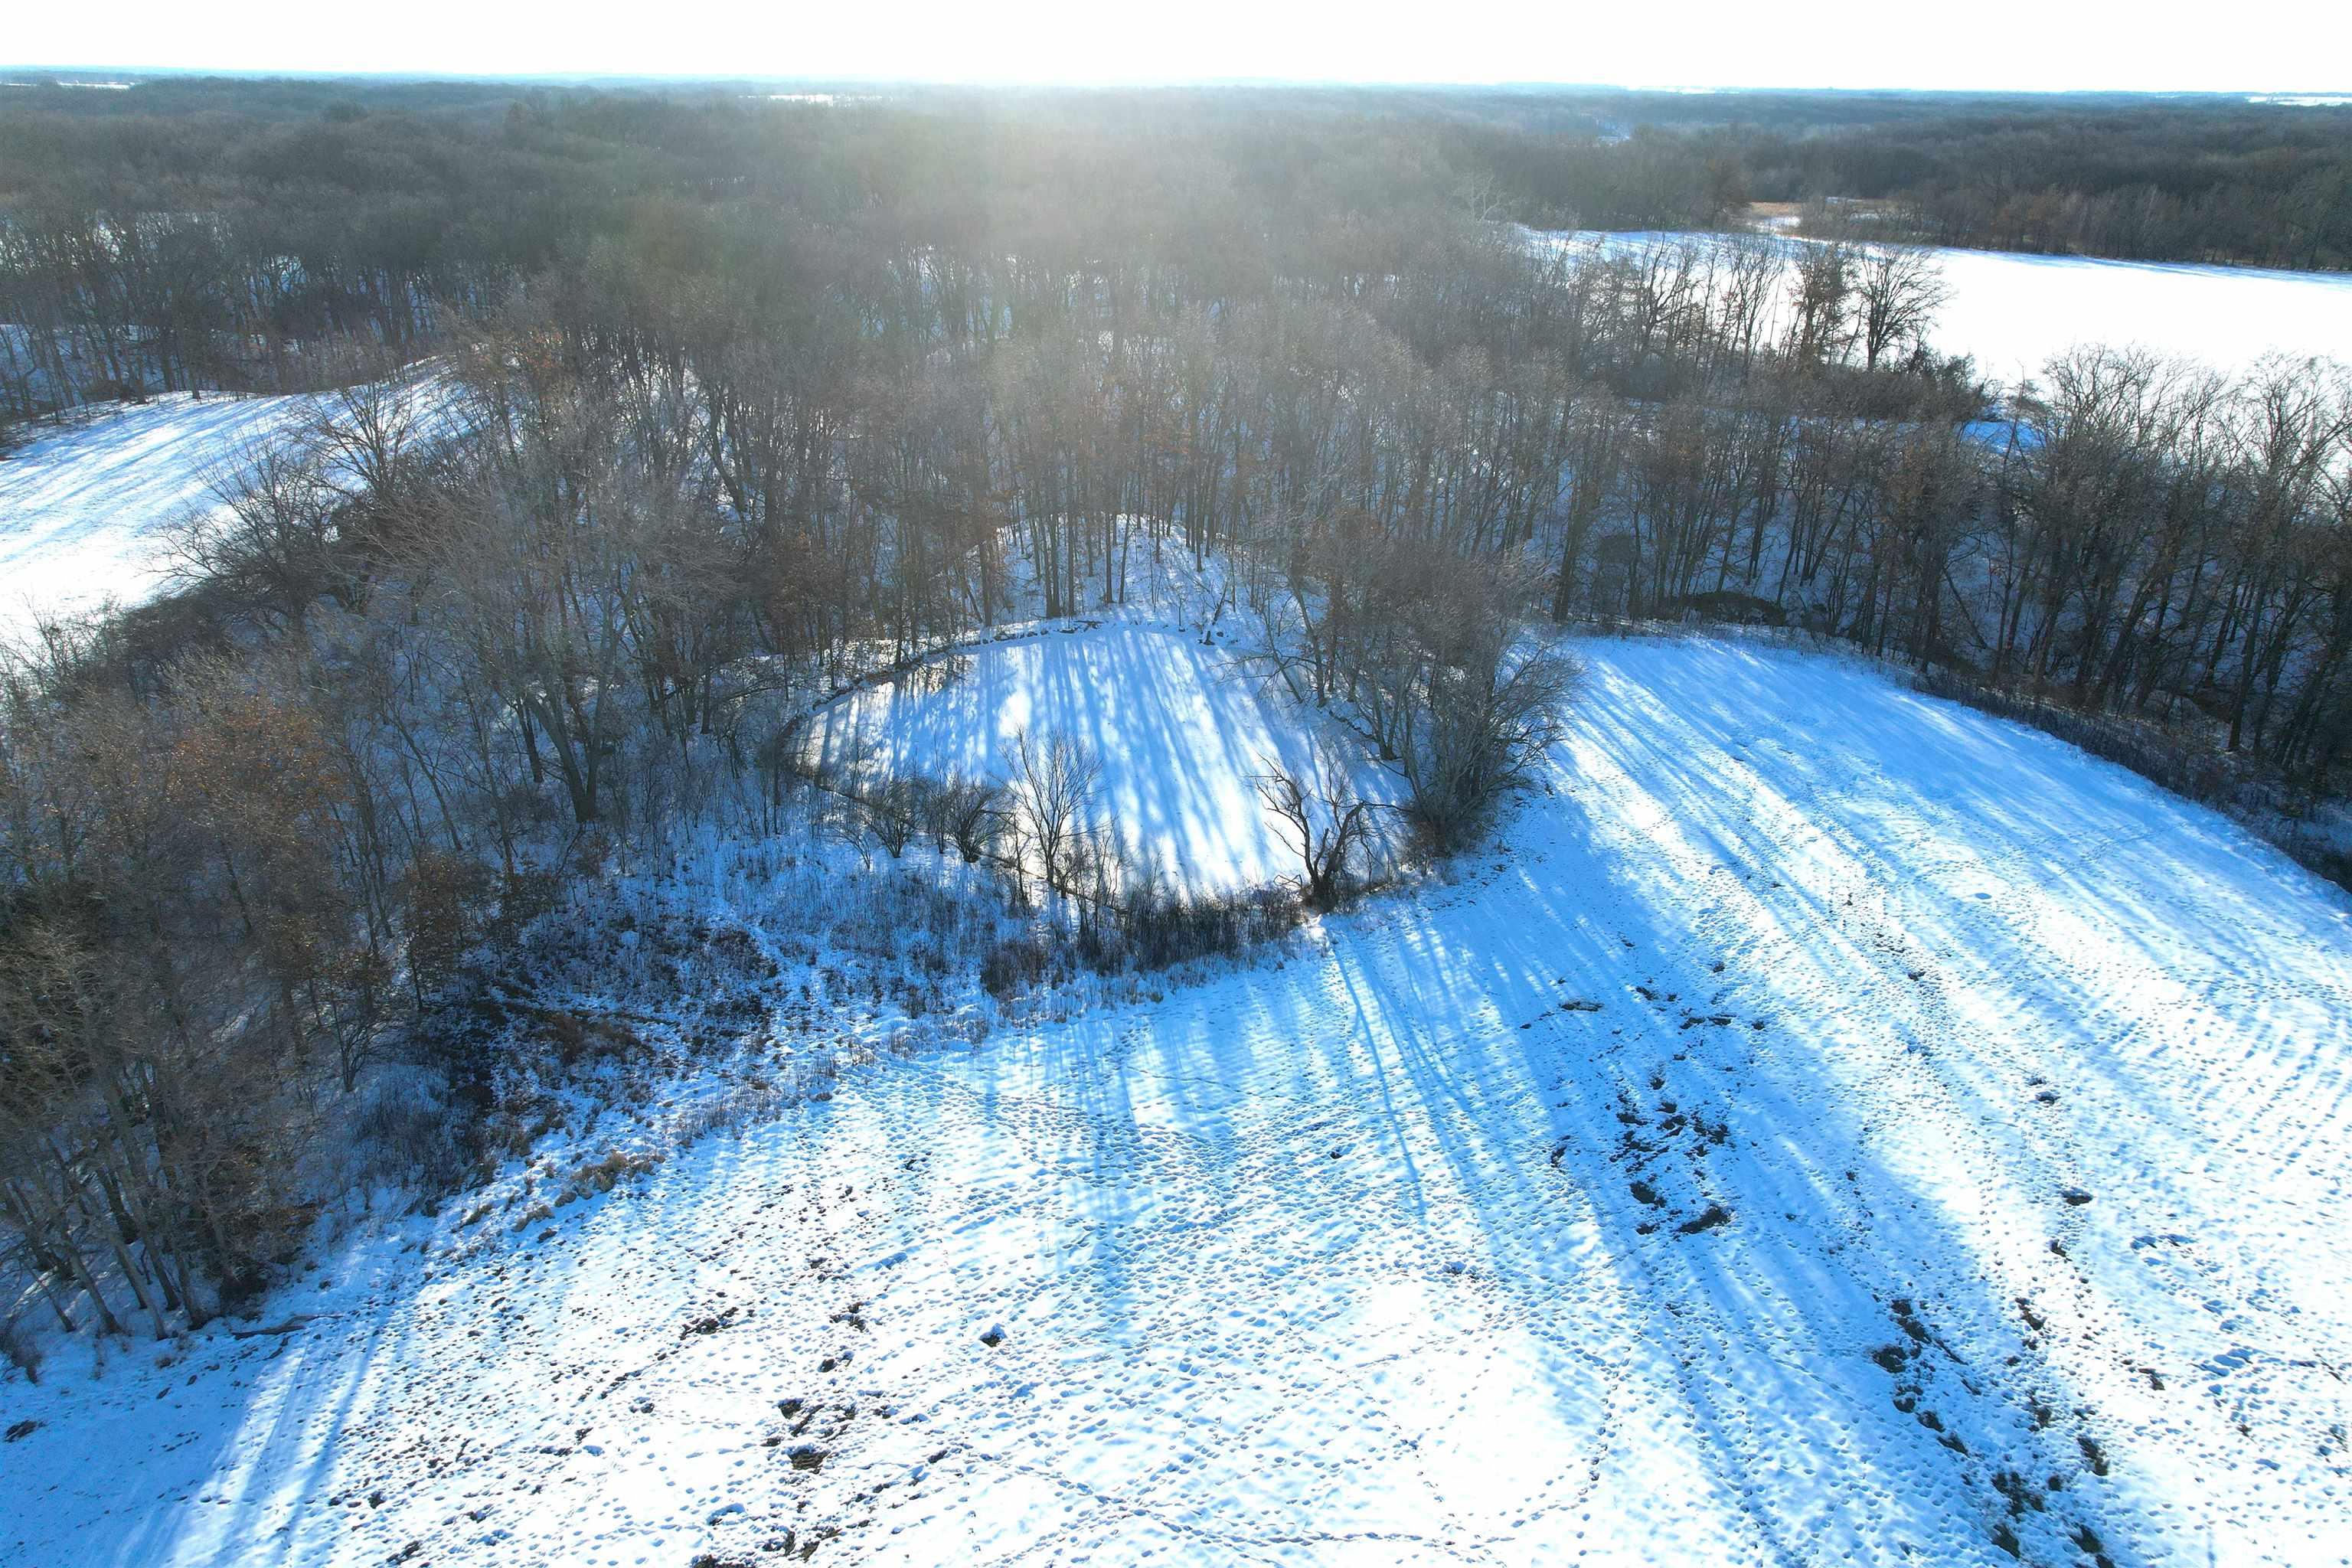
point(2015, 312)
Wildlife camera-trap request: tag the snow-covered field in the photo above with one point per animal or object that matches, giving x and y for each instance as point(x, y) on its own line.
point(2015, 312)
point(1178, 728)
point(86, 508)
point(1831, 1126)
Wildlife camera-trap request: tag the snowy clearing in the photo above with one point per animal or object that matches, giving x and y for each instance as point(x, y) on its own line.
point(2015, 312)
point(83, 510)
point(1180, 731)
point(86, 508)
point(1834, 1126)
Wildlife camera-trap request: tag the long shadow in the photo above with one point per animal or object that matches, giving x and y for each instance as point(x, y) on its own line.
point(1427, 1011)
point(1409, 1239)
point(1180, 743)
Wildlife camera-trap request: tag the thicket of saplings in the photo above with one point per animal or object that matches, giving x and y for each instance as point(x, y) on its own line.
point(417, 682)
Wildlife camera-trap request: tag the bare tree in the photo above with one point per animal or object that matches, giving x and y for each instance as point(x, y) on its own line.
point(1052, 786)
point(894, 810)
point(1897, 289)
point(1324, 822)
point(1753, 267)
point(972, 812)
point(270, 541)
point(1822, 303)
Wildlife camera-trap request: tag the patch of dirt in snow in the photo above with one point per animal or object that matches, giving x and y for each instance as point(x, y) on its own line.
point(1680, 1187)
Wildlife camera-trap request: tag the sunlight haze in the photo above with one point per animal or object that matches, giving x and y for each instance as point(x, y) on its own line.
point(2271, 46)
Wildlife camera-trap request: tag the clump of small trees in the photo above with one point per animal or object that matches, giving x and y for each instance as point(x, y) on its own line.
point(1038, 823)
point(1425, 647)
point(1325, 823)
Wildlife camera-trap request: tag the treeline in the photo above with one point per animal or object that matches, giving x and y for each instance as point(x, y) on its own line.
point(187, 233)
point(2145, 538)
point(571, 586)
point(2201, 179)
point(191, 247)
point(2267, 185)
point(184, 234)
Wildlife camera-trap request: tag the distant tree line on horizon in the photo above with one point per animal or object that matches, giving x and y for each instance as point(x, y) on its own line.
point(197, 233)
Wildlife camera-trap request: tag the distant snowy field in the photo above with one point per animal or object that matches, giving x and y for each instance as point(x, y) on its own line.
point(2015, 312)
point(1834, 1126)
point(1177, 728)
point(84, 510)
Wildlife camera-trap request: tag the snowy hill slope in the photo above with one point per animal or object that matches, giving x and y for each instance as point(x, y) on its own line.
point(83, 509)
point(1832, 1126)
point(1178, 728)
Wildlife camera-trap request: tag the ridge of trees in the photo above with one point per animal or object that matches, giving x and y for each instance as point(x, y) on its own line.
point(201, 233)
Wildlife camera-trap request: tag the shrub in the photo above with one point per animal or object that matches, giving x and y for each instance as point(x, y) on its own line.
point(1148, 929)
point(413, 1135)
point(603, 1175)
point(1011, 968)
point(972, 812)
point(442, 891)
point(18, 1346)
point(1488, 723)
point(895, 810)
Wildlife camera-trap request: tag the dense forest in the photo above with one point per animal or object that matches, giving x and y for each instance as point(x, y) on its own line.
point(2173, 179)
point(192, 231)
point(663, 416)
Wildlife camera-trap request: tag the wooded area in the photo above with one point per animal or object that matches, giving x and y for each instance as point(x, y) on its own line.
point(198, 232)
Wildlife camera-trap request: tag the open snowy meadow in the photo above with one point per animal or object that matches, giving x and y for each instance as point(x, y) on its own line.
point(2014, 313)
point(1829, 1126)
point(85, 511)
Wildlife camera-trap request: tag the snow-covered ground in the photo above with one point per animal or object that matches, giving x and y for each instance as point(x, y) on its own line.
point(2015, 312)
point(1831, 1126)
point(87, 506)
point(84, 510)
point(1178, 730)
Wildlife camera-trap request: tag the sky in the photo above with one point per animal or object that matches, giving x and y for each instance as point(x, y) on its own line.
point(2263, 46)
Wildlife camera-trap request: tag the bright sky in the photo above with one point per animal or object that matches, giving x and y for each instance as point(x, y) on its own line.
point(2256, 46)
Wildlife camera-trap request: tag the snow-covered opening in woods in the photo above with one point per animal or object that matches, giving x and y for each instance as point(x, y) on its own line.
point(89, 501)
point(1178, 729)
point(86, 508)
